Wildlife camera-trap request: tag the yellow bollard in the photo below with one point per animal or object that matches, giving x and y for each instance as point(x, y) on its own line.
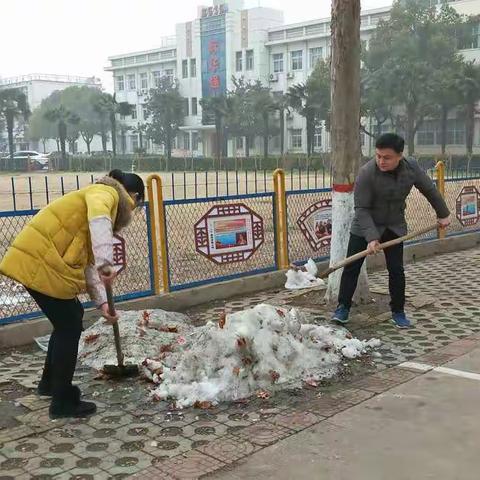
point(281, 218)
point(156, 206)
point(440, 171)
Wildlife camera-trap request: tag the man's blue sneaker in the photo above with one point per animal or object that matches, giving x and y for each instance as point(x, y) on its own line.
point(400, 320)
point(341, 314)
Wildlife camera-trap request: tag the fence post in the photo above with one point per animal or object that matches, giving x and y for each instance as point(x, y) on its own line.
point(157, 208)
point(440, 171)
point(281, 223)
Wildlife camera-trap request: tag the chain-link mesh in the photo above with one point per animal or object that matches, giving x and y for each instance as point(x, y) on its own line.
point(16, 304)
point(188, 267)
point(299, 248)
point(419, 214)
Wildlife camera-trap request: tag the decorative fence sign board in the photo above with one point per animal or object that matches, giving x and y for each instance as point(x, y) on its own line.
point(468, 206)
point(316, 224)
point(229, 233)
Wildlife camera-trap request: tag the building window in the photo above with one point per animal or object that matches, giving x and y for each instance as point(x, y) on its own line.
point(239, 143)
point(426, 133)
point(194, 106)
point(239, 61)
point(251, 142)
point(134, 112)
point(277, 62)
point(315, 56)
point(131, 82)
point(144, 112)
point(184, 68)
point(185, 107)
point(194, 141)
point(144, 81)
point(134, 143)
point(296, 138)
point(156, 78)
point(317, 138)
point(120, 82)
point(249, 60)
point(169, 74)
point(469, 36)
point(186, 140)
point(297, 60)
point(456, 132)
point(193, 67)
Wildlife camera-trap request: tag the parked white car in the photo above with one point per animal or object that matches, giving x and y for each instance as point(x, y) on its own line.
point(39, 160)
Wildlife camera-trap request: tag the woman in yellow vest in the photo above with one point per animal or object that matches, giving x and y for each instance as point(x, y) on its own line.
point(63, 251)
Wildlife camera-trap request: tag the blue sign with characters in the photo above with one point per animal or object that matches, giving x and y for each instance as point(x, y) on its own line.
point(214, 64)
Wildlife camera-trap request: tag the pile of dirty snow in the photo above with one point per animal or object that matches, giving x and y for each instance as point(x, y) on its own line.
point(262, 348)
point(143, 334)
point(265, 347)
point(303, 277)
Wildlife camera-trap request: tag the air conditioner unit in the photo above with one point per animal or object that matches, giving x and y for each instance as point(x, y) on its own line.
point(290, 75)
point(273, 77)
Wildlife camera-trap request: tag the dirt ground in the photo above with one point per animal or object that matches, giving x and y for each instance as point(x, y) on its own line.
point(31, 189)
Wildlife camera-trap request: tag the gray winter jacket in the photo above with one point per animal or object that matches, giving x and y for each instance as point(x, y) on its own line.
point(380, 198)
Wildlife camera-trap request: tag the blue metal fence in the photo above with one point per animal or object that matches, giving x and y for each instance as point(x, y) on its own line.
point(135, 282)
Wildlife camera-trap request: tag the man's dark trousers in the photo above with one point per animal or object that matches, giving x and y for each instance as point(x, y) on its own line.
point(396, 274)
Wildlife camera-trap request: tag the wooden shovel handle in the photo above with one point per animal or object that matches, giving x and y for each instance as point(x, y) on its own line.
point(116, 332)
point(382, 246)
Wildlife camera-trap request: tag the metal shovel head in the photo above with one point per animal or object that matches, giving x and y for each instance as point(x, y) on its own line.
point(121, 371)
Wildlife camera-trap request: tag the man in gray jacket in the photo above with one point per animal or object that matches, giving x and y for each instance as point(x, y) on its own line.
point(381, 189)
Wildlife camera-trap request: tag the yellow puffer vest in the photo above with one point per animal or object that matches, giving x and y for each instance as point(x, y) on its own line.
point(52, 251)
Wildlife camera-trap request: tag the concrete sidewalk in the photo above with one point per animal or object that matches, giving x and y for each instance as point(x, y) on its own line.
point(426, 428)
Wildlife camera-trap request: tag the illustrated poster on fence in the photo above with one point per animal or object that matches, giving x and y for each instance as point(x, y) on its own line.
point(468, 206)
point(316, 224)
point(229, 233)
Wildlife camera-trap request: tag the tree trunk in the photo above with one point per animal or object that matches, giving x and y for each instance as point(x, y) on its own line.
point(443, 128)
point(218, 140)
point(265, 135)
point(469, 127)
point(88, 145)
point(44, 145)
point(169, 146)
point(140, 140)
point(310, 128)
point(113, 123)
point(411, 113)
point(62, 134)
point(345, 140)
point(247, 146)
point(282, 132)
point(104, 142)
point(10, 121)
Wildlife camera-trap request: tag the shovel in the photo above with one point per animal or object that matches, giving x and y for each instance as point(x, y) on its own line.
point(382, 246)
point(120, 370)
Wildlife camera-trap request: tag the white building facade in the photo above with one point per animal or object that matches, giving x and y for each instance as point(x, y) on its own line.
point(36, 88)
point(226, 40)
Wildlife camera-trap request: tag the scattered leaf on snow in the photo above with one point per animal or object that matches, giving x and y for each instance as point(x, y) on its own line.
point(263, 394)
point(91, 338)
point(222, 320)
point(311, 382)
point(203, 405)
point(274, 376)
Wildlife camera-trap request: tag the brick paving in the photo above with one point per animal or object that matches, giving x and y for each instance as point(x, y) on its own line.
point(131, 437)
